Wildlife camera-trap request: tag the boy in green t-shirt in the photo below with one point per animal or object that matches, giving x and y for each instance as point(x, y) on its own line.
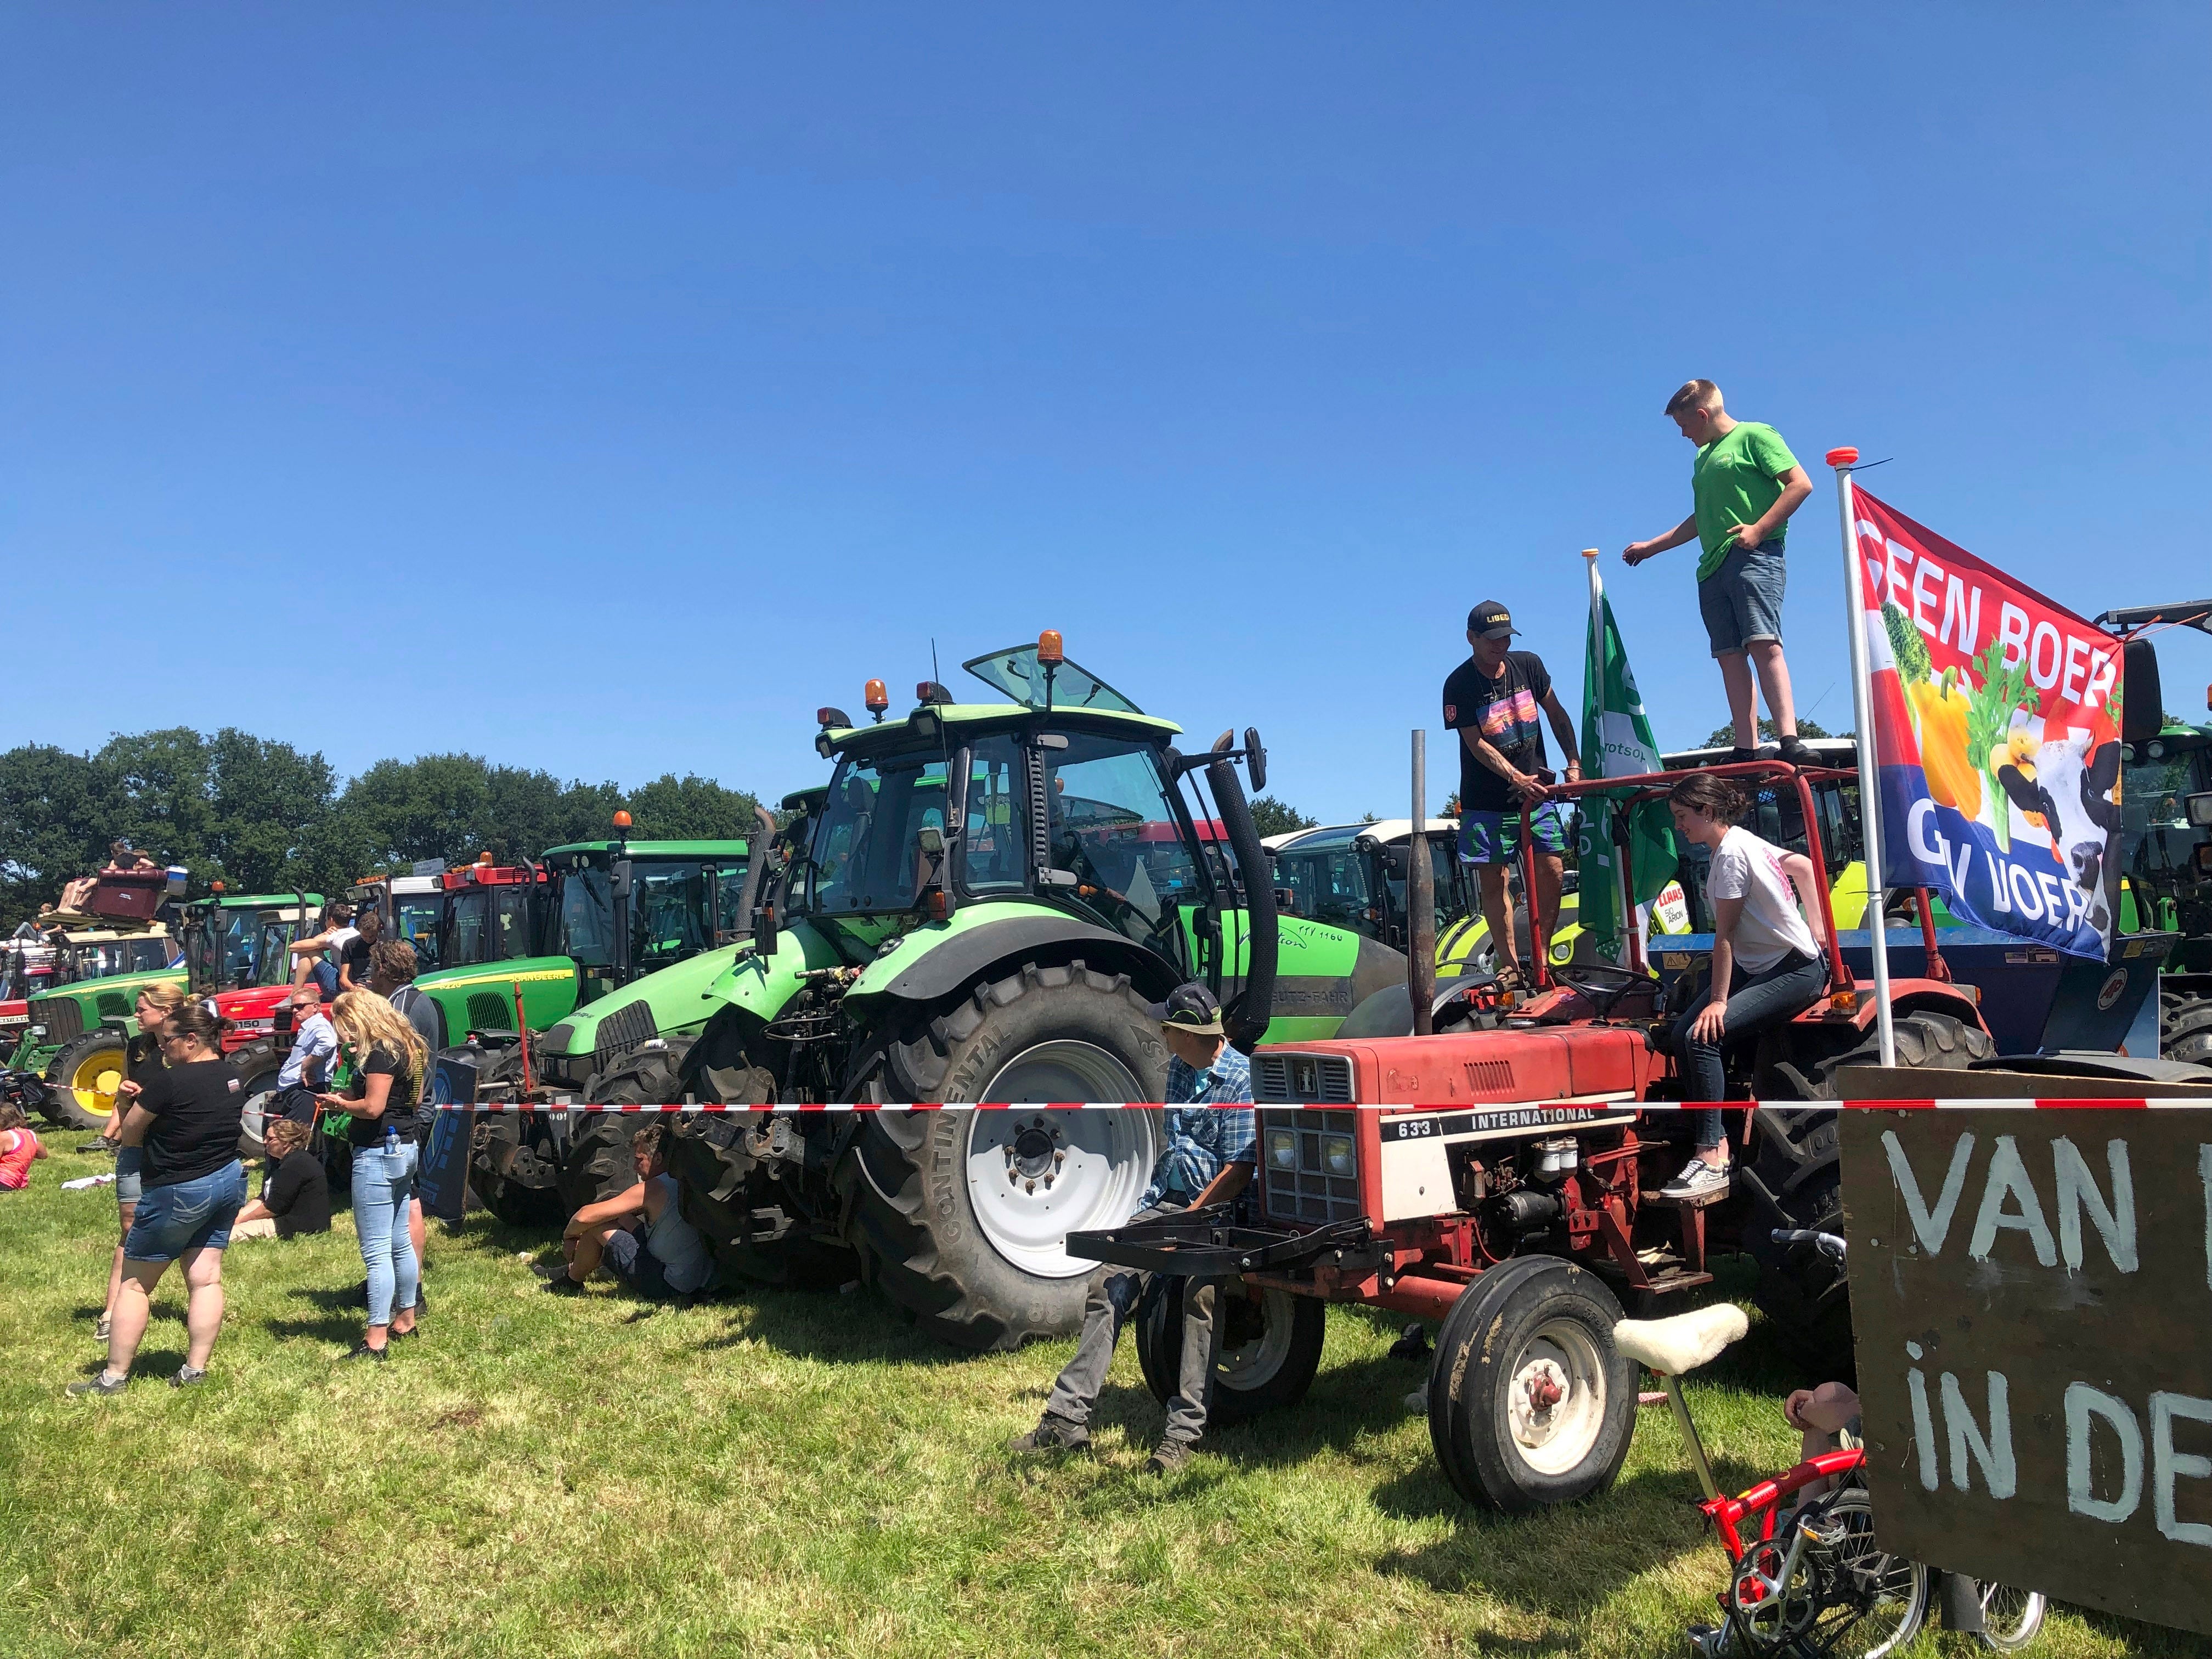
point(1744, 485)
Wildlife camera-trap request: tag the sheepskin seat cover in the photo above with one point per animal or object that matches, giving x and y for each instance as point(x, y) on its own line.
point(1677, 1346)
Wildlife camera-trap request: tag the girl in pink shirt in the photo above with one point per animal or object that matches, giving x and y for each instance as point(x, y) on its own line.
point(18, 1147)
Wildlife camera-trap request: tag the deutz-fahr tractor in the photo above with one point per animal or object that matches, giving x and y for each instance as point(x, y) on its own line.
point(984, 905)
point(71, 1058)
point(606, 945)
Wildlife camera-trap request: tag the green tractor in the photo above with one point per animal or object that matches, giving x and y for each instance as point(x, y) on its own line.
point(981, 908)
point(71, 1058)
point(2165, 802)
point(605, 946)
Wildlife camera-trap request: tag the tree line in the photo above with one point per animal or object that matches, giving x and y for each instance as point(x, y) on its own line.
point(261, 817)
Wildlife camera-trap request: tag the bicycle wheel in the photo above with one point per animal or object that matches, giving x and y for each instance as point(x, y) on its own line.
point(2010, 1618)
point(1873, 1602)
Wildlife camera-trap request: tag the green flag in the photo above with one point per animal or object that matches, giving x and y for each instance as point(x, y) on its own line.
point(1617, 743)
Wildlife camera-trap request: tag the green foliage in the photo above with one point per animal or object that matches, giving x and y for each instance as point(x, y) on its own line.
point(2003, 688)
point(1724, 737)
point(1906, 644)
point(1274, 818)
point(264, 816)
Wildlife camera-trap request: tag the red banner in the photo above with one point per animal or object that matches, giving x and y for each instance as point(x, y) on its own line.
point(1996, 738)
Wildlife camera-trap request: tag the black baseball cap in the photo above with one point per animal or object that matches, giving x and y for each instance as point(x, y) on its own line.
point(1491, 620)
point(1191, 1008)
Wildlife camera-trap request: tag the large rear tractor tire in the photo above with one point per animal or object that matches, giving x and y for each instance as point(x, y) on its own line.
point(2188, 1034)
point(1270, 1347)
point(1794, 1181)
point(83, 1079)
point(965, 1214)
point(1531, 1404)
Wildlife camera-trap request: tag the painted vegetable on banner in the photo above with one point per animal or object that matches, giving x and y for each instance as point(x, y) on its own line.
point(1997, 734)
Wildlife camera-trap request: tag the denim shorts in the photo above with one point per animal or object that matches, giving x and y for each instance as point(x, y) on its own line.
point(1495, 837)
point(628, 1260)
point(1742, 601)
point(130, 1164)
point(191, 1215)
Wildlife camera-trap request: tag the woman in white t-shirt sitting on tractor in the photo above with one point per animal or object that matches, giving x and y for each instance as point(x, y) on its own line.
point(1768, 966)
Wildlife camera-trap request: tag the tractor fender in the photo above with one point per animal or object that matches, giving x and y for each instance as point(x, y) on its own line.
point(956, 960)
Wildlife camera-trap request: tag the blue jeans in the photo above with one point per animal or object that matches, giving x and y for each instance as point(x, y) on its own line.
point(1742, 601)
point(383, 1188)
point(1755, 1002)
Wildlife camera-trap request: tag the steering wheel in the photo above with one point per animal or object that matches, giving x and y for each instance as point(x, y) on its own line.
point(1589, 980)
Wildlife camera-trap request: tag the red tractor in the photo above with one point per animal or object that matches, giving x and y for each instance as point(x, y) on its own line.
point(1524, 1230)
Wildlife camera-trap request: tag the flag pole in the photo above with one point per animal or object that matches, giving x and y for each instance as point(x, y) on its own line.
point(1869, 779)
point(1625, 897)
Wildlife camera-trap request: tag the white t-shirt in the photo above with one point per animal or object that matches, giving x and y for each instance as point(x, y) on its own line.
point(1771, 926)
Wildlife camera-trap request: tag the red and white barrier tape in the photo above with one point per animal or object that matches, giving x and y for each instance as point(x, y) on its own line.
point(1584, 1106)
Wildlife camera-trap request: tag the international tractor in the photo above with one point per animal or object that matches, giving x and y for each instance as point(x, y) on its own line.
point(982, 906)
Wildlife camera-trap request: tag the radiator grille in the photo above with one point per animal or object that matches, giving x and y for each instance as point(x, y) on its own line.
point(622, 1031)
point(1307, 1194)
point(490, 1011)
point(1494, 1078)
point(1324, 1080)
point(62, 1018)
point(113, 1005)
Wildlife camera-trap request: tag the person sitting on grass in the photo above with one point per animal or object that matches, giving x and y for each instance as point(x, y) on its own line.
point(18, 1150)
point(295, 1194)
point(638, 1235)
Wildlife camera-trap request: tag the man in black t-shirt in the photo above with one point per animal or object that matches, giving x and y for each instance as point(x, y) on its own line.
point(1492, 701)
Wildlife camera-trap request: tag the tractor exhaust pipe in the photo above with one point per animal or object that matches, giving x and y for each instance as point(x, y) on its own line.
point(1247, 1017)
point(1421, 900)
point(756, 865)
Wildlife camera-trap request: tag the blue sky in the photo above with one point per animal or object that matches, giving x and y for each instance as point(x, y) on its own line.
point(604, 390)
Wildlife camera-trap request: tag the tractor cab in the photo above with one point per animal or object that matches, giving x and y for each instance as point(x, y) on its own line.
point(411, 908)
point(237, 942)
point(624, 909)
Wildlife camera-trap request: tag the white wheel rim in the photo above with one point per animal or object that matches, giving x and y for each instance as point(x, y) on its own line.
point(1253, 1362)
point(1555, 1401)
point(253, 1119)
point(1098, 1163)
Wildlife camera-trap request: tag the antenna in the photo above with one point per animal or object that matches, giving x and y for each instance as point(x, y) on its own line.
point(934, 673)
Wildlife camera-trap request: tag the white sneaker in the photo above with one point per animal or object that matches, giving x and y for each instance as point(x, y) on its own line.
point(1697, 1178)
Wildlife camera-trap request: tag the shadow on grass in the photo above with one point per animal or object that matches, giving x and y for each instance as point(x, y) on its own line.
point(330, 1327)
point(837, 1327)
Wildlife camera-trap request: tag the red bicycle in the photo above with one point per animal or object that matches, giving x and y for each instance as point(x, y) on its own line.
point(1808, 1579)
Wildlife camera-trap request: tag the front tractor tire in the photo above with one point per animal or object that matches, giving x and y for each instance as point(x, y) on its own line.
point(963, 1215)
point(81, 1081)
point(597, 1164)
point(1531, 1404)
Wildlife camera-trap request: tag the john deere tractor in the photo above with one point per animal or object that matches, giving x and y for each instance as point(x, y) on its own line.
point(71, 1058)
point(986, 901)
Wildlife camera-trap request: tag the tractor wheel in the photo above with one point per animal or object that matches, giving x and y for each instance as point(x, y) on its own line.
point(597, 1163)
point(966, 1215)
point(515, 1166)
point(1926, 1040)
point(2188, 1033)
point(83, 1079)
point(257, 1066)
point(1531, 1404)
point(1270, 1347)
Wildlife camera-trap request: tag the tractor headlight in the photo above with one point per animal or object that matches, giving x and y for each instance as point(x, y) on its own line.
point(1336, 1154)
point(37, 1031)
point(1283, 1148)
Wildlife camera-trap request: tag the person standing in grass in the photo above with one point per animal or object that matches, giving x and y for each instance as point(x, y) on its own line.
point(385, 1063)
point(1744, 485)
point(18, 1150)
point(188, 1117)
point(1210, 1155)
point(391, 970)
point(142, 1063)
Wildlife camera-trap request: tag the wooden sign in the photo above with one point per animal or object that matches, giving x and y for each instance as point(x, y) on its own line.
point(2032, 1298)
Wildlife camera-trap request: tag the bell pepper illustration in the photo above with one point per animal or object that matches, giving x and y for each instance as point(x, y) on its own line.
point(1954, 778)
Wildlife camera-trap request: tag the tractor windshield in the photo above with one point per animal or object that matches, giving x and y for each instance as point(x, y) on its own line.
point(676, 907)
point(122, 956)
point(414, 920)
point(273, 953)
point(865, 843)
point(1115, 828)
point(486, 924)
point(1018, 672)
point(1327, 880)
point(229, 942)
point(2155, 816)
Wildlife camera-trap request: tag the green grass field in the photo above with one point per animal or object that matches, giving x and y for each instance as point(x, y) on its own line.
point(778, 1474)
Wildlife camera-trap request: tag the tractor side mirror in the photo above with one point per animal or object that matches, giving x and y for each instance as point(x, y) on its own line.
point(2143, 710)
point(1255, 759)
point(764, 931)
point(2199, 808)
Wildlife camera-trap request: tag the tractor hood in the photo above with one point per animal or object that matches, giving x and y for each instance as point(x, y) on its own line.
point(677, 999)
